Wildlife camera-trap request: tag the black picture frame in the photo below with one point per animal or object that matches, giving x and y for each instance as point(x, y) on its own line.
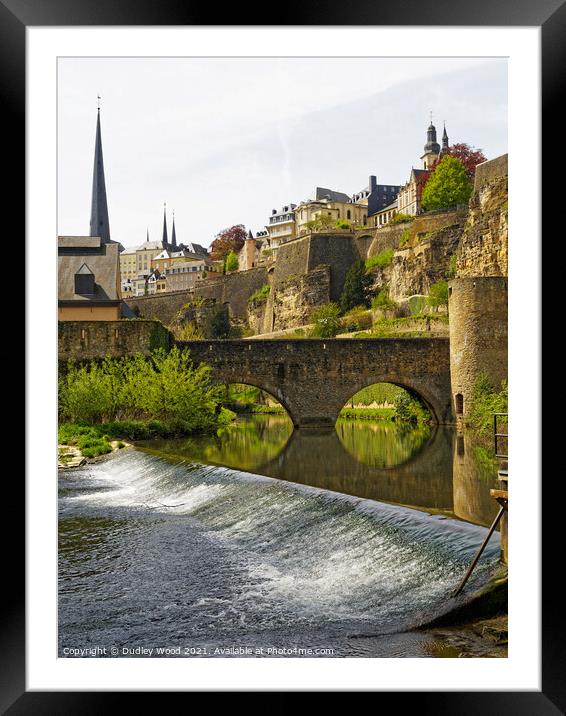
point(15, 16)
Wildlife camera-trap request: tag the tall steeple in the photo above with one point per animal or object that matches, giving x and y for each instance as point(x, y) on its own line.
point(164, 240)
point(147, 236)
point(173, 233)
point(444, 140)
point(99, 225)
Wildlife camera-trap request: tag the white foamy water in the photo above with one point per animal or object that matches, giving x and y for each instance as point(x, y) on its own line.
point(153, 548)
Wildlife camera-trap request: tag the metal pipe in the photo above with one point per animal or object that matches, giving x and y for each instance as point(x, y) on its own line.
point(478, 555)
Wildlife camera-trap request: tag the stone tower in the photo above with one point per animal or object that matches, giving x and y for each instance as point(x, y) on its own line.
point(477, 307)
point(431, 148)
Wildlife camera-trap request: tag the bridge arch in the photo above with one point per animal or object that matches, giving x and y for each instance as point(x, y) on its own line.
point(216, 381)
point(419, 392)
point(313, 378)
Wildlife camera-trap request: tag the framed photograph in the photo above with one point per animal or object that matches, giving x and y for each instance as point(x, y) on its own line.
point(273, 321)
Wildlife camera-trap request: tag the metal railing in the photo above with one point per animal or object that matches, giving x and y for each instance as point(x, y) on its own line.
point(497, 436)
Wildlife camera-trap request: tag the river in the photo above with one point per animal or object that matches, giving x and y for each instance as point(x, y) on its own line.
point(264, 541)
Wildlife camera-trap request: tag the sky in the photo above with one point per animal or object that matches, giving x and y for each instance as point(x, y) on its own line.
point(225, 140)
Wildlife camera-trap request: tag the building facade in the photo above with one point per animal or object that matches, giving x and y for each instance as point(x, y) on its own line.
point(184, 274)
point(332, 204)
point(281, 226)
point(128, 269)
point(383, 216)
point(249, 254)
point(88, 279)
point(379, 197)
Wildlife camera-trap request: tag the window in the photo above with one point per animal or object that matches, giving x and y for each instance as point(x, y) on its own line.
point(84, 284)
point(459, 403)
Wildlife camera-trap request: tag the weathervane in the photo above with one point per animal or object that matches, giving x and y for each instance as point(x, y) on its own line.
point(98, 97)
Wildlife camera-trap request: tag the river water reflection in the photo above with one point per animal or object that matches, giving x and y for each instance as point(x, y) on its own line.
point(432, 470)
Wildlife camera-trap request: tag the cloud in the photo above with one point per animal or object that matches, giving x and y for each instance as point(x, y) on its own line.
point(226, 140)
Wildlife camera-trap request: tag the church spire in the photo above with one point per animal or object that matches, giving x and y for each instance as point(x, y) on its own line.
point(173, 233)
point(147, 235)
point(99, 225)
point(444, 139)
point(164, 240)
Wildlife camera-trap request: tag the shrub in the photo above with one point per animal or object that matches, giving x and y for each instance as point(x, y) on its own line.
point(261, 295)
point(343, 224)
point(231, 262)
point(383, 301)
point(384, 258)
point(417, 304)
point(167, 388)
point(356, 319)
point(452, 267)
point(485, 402)
point(217, 322)
point(404, 238)
point(356, 285)
point(189, 332)
point(438, 294)
point(321, 222)
point(401, 218)
point(326, 320)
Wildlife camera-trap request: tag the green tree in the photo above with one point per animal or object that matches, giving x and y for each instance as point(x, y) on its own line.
point(409, 409)
point(356, 286)
point(326, 319)
point(448, 185)
point(217, 322)
point(438, 294)
point(382, 300)
point(231, 262)
point(320, 222)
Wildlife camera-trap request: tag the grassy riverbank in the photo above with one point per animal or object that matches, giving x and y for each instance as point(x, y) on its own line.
point(367, 413)
point(91, 441)
point(136, 398)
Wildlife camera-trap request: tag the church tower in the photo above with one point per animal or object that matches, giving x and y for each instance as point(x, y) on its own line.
point(173, 234)
point(99, 225)
point(445, 145)
point(164, 240)
point(431, 148)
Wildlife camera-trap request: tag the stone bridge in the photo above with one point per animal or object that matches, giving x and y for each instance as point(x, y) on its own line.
point(314, 378)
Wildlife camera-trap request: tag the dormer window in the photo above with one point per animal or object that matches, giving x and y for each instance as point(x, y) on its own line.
point(84, 281)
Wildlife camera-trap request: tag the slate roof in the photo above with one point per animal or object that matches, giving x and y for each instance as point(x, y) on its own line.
point(196, 249)
point(76, 242)
point(322, 193)
point(103, 263)
point(393, 205)
point(150, 245)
